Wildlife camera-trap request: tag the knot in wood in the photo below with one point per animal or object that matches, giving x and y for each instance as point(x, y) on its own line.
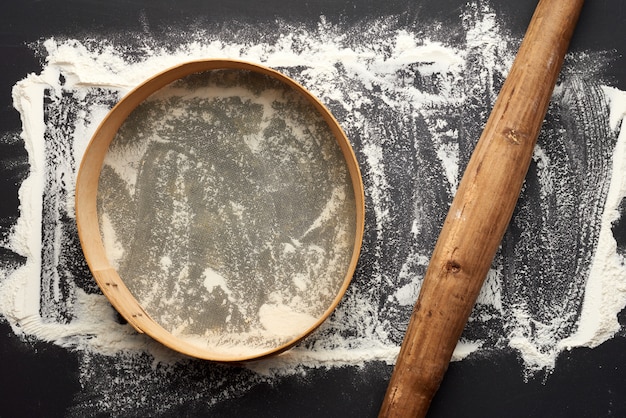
point(514, 136)
point(453, 267)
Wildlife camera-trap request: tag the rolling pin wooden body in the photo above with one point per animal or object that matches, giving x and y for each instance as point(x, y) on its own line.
point(480, 211)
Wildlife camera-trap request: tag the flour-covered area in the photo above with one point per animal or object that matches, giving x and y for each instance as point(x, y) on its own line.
point(412, 101)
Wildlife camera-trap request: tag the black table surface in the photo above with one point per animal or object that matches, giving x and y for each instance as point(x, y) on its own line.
point(41, 379)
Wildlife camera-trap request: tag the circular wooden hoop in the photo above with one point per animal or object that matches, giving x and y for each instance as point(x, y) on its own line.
point(87, 222)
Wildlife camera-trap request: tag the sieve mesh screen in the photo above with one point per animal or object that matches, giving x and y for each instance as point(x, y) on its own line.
point(226, 205)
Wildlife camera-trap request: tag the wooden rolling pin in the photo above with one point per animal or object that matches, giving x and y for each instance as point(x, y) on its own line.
point(480, 211)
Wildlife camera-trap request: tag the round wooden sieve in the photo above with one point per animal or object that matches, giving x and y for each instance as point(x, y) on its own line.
point(220, 209)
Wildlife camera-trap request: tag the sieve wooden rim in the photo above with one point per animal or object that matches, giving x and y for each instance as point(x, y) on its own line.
point(88, 226)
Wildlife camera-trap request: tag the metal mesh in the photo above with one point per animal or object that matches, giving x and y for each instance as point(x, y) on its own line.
point(227, 208)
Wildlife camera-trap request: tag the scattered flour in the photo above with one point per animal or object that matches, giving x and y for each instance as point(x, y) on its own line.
point(418, 81)
point(604, 293)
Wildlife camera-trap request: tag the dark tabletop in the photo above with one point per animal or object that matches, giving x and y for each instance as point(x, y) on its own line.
point(43, 379)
